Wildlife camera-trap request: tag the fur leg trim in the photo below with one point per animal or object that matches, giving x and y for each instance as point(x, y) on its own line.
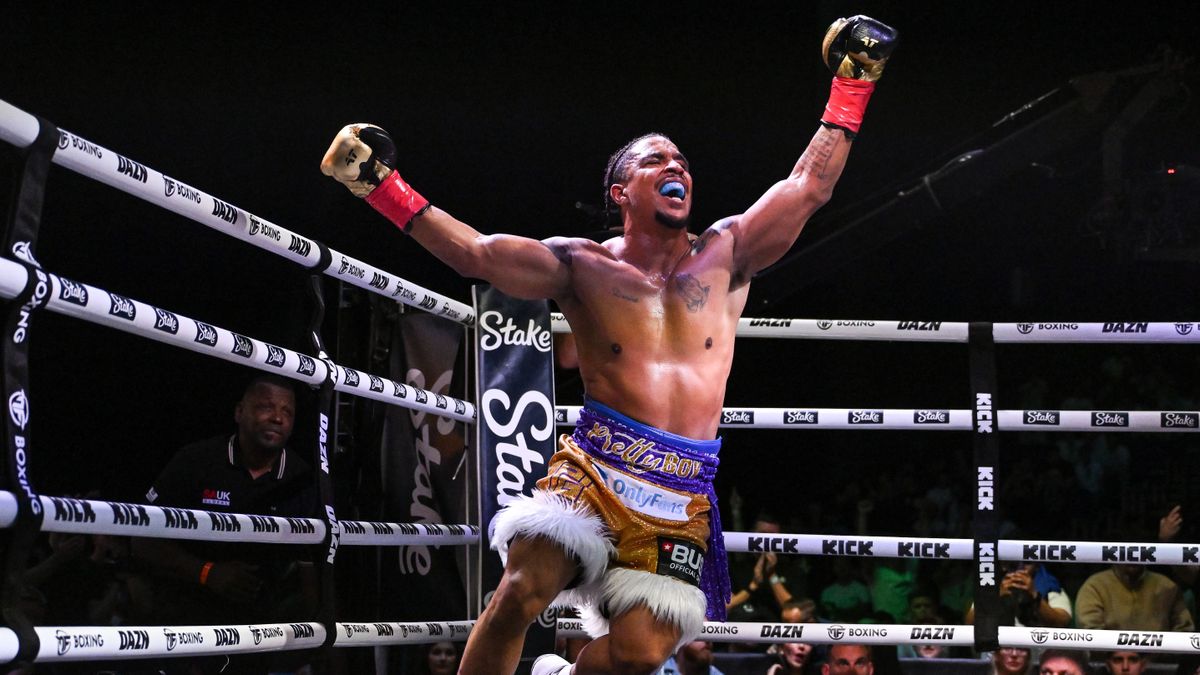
point(578, 530)
point(670, 600)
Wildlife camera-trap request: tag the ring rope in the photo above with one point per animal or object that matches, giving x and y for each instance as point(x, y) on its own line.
point(951, 331)
point(941, 419)
point(115, 170)
point(85, 516)
point(96, 305)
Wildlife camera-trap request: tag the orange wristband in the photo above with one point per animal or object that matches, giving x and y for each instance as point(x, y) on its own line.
point(204, 573)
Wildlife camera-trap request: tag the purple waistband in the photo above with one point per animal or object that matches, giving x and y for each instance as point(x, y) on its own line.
point(667, 460)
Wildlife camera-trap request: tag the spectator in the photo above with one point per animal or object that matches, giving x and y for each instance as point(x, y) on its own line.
point(693, 658)
point(795, 658)
point(1063, 662)
point(1011, 661)
point(847, 599)
point(439, 658)
point(1030, 596)
point(760, 588)
point(1127, 663)
point(252, 472)
point(1169, 527)
point(849, 660)
point(1130, 597)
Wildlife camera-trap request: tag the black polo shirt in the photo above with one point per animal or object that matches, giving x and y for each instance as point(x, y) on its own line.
point(206, 475)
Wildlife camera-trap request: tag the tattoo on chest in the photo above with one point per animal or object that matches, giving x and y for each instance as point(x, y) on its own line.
point(624, 296)
point(695, 295)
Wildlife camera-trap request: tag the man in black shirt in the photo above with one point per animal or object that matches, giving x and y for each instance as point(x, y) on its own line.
point(251, 472)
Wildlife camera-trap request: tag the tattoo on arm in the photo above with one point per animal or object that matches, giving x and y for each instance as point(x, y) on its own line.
point(624, 296)
point(689, 288)
point(816, 155)
point(700, 242)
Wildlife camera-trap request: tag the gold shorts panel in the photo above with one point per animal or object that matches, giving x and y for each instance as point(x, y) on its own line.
point(631, 516)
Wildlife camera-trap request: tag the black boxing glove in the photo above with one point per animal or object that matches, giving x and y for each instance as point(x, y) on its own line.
point(856, 50)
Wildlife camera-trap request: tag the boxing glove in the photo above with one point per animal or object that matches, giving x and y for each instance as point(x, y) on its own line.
point(855, 49)
point(363, 158)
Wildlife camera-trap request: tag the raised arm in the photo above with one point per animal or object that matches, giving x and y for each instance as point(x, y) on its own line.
point(362, 157)
point(856, 50)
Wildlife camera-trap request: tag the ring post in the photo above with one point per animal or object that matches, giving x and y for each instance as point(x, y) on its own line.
point(985, 525)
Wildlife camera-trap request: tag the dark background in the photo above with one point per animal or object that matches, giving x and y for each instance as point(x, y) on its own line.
point(504, 115)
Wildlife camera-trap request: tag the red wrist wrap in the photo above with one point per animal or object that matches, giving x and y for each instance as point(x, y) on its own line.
point(847, 102)
point(397, 201)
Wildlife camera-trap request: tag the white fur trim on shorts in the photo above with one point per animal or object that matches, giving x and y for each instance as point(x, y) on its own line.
point(575, 528)
point(669, 599)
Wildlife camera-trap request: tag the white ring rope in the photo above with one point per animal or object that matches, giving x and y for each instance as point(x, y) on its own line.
point(86, 516)
point(941, 419)
point(847, 545)
point(952, 331)
point(96, 305)
point(93, 643)
point(115, 170)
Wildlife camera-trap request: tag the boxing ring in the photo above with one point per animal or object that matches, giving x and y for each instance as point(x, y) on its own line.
point(27, 513)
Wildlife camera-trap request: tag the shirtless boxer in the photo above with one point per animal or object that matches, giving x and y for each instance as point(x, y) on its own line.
point(626, 517)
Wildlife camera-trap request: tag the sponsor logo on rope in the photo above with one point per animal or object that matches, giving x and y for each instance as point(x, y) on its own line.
point(1141, 639)
point(1067, 636)
point(548, 618)
point(801, 417)
point(300, 246)
point(275, 356)
point(680, 559)
point(787, 630)
point(41, 289)
point(428, 302)
point(301, 631)
point(77, 640)
point(824, 325)
point(266, 229)
point(242, 346)
point(931, 417)
point(1129, 553)
point(307, 365)
point(24, 251)
point(773, 544)
point(1039, 636)
point(352, 378)
point(1110, 419)
point(129, 515)
point(264, 524)
point(919, 325)
point(1049, 552)
point(1195, 641)
point(72, 292)
point(121, 306)
point(131, 168)
point(180, 519)
point(737, 417)
point(205, 334)
point(837, 632)
point(865, 417)
point(166, 321)
point(399, 390)
point(843, 547)
point(987, 563)
point(1042, 417)
point(384, 630)
point(460, 407)
point(175, 639)
point(1175, 420)
point(353, 629)
point(72, 510)
point(1183, 328)
point(173, 187)
point(68, 139)
point(379, 281)
point(932, 633)
point(985, 488)
point(771, 323)
point(1124, 327)
point(983, 413)
point(18, 408)
point(420, 395)
point(560, 415)
point(375, 384)
point(1027, 328)
point(133, 640)
point(496, 333)
point(350, 268)
point(440, 401)
point(404, 292)
point(227, 637)
point(922, 549)
point(224, 522)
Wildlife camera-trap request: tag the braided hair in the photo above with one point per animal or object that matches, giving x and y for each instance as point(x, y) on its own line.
point(617, 170)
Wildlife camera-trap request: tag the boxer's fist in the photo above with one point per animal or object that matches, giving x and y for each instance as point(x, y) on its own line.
point(858, 47)
point(360, 157)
